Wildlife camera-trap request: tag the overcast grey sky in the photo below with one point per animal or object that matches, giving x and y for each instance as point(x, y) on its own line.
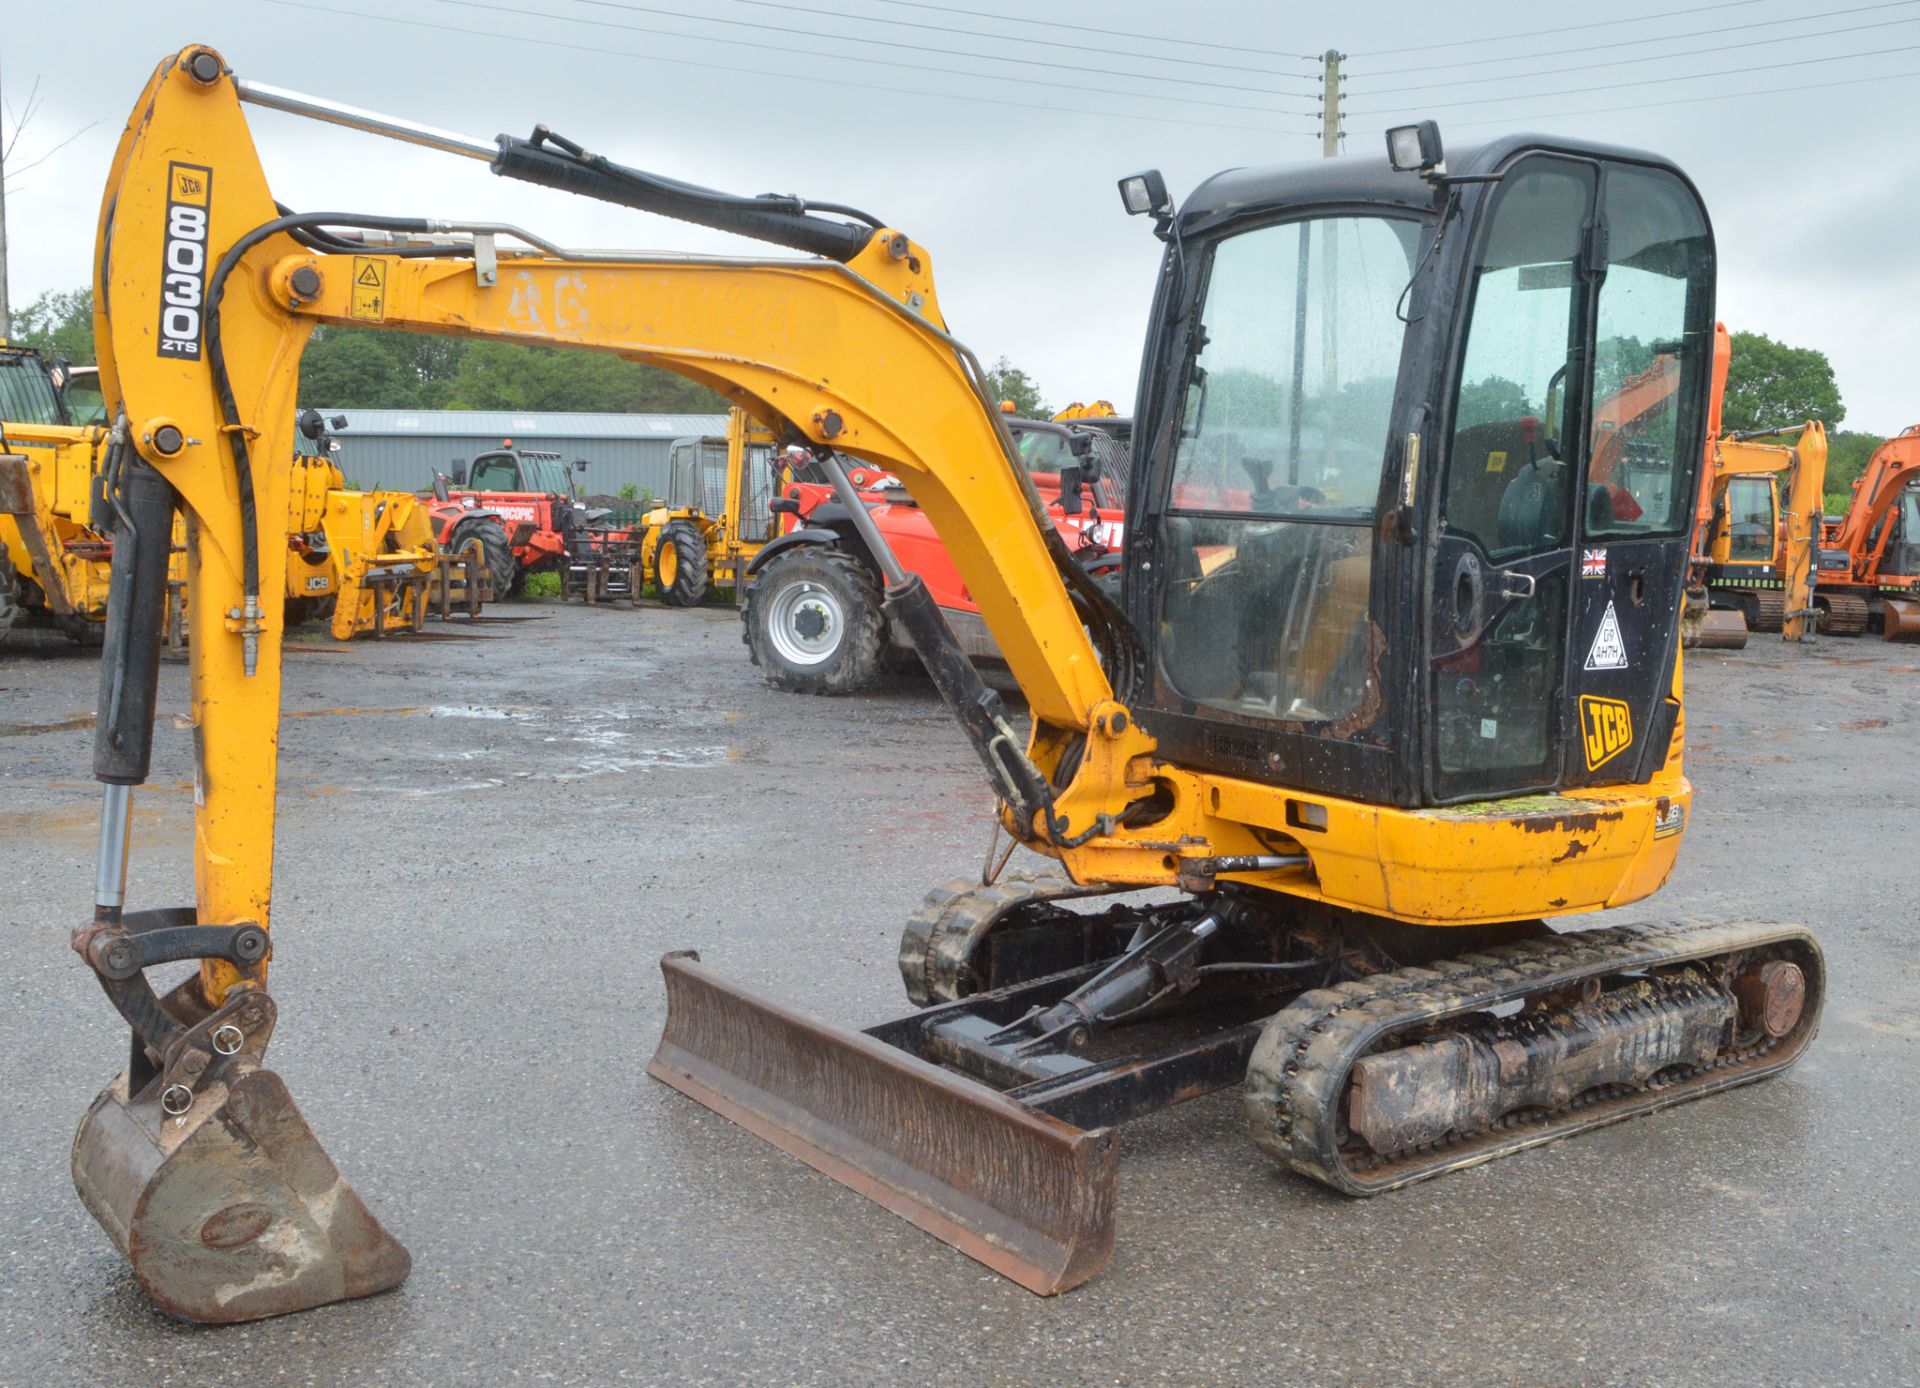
point(998, 151)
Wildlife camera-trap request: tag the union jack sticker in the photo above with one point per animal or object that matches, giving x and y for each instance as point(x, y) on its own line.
point(1593, 563)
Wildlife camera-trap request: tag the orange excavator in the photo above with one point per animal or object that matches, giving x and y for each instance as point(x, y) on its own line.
point(1756, 527)
point(1870, 556)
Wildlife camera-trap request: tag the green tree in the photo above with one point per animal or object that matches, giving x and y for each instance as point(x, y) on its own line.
point(1005, 381)
point(1770, 384)
point(59, 324)
point(502, 376)
point(1848, 453)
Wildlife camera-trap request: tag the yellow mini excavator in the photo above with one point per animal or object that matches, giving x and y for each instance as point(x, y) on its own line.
point(1393, 679)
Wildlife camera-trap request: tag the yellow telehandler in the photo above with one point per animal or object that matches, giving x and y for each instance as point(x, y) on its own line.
point(714, 517)
point(1393, 679)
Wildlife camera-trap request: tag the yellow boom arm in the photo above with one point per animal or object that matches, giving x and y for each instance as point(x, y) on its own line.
point(198, 270)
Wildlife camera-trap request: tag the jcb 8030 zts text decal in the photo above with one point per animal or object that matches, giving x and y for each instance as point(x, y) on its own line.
point(183, 267)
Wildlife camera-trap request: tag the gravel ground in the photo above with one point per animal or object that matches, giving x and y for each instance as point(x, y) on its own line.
point(486, 841)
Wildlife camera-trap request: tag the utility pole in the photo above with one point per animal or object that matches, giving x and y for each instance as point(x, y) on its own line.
point(1330, 102)
point(6, 313)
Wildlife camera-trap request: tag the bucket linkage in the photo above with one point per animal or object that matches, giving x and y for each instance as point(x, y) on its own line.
point(196, 1161)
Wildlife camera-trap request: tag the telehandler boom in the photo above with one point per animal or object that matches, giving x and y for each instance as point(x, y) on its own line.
point(1396, 679)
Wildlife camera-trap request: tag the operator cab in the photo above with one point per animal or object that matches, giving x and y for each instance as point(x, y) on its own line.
point(1417, 456)
point(521, 470)
point(28, 394)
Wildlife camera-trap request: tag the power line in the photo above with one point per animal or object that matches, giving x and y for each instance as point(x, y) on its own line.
point(1662, 57)
point(761, 27)
point(892, 64)
point(1649, 81)
point(814, 10)
point(1557, 29)
point(1097, 29)
point(1663, 38)
point(1687, 100)
point(734, 70)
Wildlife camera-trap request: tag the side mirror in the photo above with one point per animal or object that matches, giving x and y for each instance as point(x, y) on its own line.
point(311, 425)
point(1071, 481)
point(579, 464)
point(1081, 446)
point(458, 472)
point(339, 421)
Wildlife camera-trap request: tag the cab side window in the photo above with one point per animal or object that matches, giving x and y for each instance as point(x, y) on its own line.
point(1658, 265)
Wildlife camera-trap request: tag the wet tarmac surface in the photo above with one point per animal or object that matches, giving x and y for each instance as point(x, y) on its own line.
point(484, 847)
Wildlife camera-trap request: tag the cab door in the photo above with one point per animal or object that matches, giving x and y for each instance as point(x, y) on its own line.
point(1501, 557)
point(1644, 456)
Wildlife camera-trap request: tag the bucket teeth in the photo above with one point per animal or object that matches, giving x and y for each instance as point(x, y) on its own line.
point(230, 1210)
point(1026, 1194)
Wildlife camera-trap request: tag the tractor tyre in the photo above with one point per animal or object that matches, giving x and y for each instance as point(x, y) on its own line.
point(83, 632)
point(299, 611)
point(11, 613)
point(680, 565)
point(493, 543)
point(814, 622)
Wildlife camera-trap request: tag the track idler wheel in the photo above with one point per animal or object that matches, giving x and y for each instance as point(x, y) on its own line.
point(208, 1179)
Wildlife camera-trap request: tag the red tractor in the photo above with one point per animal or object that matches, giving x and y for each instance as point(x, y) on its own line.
point(813, 615)
point(549, 529)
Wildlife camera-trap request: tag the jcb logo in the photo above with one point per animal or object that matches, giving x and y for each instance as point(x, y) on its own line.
point(1607, 727)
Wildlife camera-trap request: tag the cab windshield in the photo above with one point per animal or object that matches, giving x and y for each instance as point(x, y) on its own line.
point(26, 393)
point(1277, 474)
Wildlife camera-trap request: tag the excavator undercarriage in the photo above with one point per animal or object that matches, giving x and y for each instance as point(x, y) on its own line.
point(986, 1117)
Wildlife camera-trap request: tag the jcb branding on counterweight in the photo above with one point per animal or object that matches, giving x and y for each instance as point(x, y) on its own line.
point(1607, 727)
point(183, 264)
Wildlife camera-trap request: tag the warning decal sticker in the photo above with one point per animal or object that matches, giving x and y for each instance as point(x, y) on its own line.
point(369, 288)
point(1609, 651)
point(1606, 729)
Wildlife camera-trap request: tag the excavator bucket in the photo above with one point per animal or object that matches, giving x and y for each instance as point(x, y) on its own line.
point(1030, 1196)
point(1715, 630)
point(1900, 619)
point(229, 1210)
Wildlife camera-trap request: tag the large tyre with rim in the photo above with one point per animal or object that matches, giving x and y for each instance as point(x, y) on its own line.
point(680, 564)
point(813, 621)
point(493, 544)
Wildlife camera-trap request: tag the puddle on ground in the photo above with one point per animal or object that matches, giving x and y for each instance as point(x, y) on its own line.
point(64, 725)
point(80, 824)
point(407, 712)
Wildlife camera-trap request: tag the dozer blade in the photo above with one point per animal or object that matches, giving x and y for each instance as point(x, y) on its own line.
point(230, 1211)
point(1030, 1196)
point(1900, 619)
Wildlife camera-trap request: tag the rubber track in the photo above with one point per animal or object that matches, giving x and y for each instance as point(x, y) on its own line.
point(941, 936)
point(1298, 1076)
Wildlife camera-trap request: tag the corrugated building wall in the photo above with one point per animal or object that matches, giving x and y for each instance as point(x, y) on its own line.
point(398, 449)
